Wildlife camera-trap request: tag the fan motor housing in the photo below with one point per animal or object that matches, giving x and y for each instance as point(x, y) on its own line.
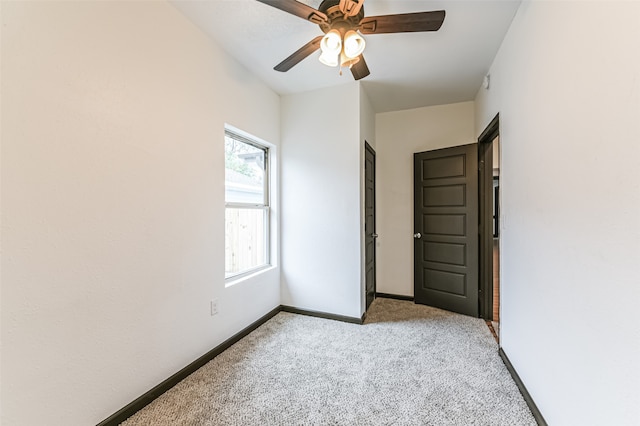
point(337, 20)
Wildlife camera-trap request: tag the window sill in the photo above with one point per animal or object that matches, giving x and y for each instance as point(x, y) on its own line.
point(235, 279)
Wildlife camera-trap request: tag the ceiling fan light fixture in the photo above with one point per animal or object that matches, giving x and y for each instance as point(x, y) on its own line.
point(329, 59)
point(331, 42)
point(344, 22)
point(331, 46)
point(353, 44)
point(346, 61)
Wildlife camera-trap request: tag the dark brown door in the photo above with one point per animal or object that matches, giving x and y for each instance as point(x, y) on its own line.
point(370, 223)
point(446, 229)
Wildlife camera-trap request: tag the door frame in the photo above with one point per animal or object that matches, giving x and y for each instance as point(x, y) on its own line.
point(485, 229)
point(374, 235)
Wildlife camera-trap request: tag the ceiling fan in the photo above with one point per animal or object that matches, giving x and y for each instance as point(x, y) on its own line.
point(343, 22)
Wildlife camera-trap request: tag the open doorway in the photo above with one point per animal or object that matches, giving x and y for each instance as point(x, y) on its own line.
point(495, 317)
point(456, 228)
point(489, 229)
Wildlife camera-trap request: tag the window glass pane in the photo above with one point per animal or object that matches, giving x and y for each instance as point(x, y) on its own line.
point(245, 239)
point(244, 172)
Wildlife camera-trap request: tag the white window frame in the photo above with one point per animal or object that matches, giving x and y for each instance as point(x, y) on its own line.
point(265, 206)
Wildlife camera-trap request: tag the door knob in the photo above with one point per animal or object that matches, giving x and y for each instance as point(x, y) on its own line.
point(417, 235)
point(374, 235)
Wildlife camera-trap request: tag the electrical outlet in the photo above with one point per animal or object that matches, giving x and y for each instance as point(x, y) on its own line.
point(214, 307)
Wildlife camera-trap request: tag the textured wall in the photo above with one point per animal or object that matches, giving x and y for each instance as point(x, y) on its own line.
point(566, 85)
point(368, 134)
point(113, 203)
point(321, 219)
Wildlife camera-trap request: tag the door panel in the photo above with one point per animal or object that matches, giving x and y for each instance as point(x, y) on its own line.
point(446, 281)
point(444, 196)
point(447, 253)
point(443, 167)
point(441, 224)
point(446, 219)
point(370, 224)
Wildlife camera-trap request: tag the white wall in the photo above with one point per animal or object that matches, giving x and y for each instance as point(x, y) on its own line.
point(399, 135)
point(566, 85)
point(367, 134)
point(113, 203)
point(367, 120)
point(321, 200)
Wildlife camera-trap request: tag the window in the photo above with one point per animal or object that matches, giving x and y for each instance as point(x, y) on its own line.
point(247, 205)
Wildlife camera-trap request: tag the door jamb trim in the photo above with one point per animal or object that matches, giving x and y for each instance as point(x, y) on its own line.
point(369, 148)
point(485, 237)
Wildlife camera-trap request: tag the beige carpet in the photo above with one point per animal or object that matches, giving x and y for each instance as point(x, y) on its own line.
point(408, 365)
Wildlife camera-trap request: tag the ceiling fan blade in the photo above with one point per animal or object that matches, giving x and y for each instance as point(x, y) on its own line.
point(360, 69)
point(298, 9)
point(402, 23)
point(299, 55)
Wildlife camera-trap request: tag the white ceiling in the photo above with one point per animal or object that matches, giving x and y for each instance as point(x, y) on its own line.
point(408, 70)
